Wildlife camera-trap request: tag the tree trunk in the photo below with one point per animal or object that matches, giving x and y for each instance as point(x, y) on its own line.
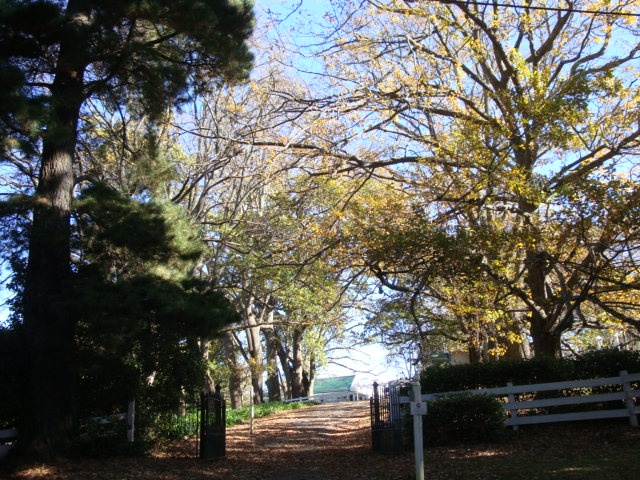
point(310, 375)
point(50, 413)
point(286, 363)
point(273, 379)
point(545, 342)
point(256, 366)
point(476, 351)
point(235, 372)
point(298, 387)
point(205, 351)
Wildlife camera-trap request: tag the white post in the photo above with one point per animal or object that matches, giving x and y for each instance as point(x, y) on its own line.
point(252, 412)
point(417, 410)
point(131, 416)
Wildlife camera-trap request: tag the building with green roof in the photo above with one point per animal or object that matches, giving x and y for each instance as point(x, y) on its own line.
point(338, 389)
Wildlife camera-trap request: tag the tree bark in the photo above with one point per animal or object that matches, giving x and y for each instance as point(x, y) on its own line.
point(256, 365)
point(235, 372)
point(205, 351)
point(545, 341)
point(299, 387)
point(543, 318)
point(273, 379)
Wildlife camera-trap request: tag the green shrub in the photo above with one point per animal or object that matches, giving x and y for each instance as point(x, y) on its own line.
point(171, 426)
point(597, 363)
point(464, 419)
point(606, 363)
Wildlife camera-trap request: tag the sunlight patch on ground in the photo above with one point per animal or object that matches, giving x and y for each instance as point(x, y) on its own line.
point(488, 453)
point(36, 472)
point(573, 470)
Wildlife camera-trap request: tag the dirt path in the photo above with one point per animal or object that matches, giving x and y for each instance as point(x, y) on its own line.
point(316, 443)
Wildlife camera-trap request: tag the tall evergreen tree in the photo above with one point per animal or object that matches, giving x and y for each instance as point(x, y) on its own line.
point(54, 55)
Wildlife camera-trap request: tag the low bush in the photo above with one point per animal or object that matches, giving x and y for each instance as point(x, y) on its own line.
point(606, 363)
point(464, 419)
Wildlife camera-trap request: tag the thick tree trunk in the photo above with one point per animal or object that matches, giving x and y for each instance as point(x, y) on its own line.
point(299, 387)
point(545, 342)
point(205, 351)
point(476, 351)
point(286, 364)
point(273, 379)
point(49, 415)
point(309, 375)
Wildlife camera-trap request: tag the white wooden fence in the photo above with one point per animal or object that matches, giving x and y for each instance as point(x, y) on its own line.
point(522, 412)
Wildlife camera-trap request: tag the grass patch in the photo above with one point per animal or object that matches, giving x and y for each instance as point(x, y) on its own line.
point(240, 415)
point(559, 452)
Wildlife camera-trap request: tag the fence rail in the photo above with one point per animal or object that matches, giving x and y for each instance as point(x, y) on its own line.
point(522, 412)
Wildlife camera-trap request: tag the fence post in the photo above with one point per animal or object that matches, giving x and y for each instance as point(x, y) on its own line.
point(376, 403)
point(628, 399)
point(131, 416)
point(512, 412)
point(417, 429)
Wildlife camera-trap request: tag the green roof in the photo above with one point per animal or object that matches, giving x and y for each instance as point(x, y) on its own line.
point(325, 385)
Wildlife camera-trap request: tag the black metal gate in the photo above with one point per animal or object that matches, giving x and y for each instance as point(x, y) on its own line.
point(213, 426)
point(386, 420)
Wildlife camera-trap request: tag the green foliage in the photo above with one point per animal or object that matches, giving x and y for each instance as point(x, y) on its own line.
point(139, 315)
point(495, 374)
point(240, 415)
point(464, 419)
point(122, 232)
point(606, 363)
point(594, 364)
point(154, 424)
point(142, 328)
point(153, 50)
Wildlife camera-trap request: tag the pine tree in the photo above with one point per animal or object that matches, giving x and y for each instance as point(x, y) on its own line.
point(54, 56)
